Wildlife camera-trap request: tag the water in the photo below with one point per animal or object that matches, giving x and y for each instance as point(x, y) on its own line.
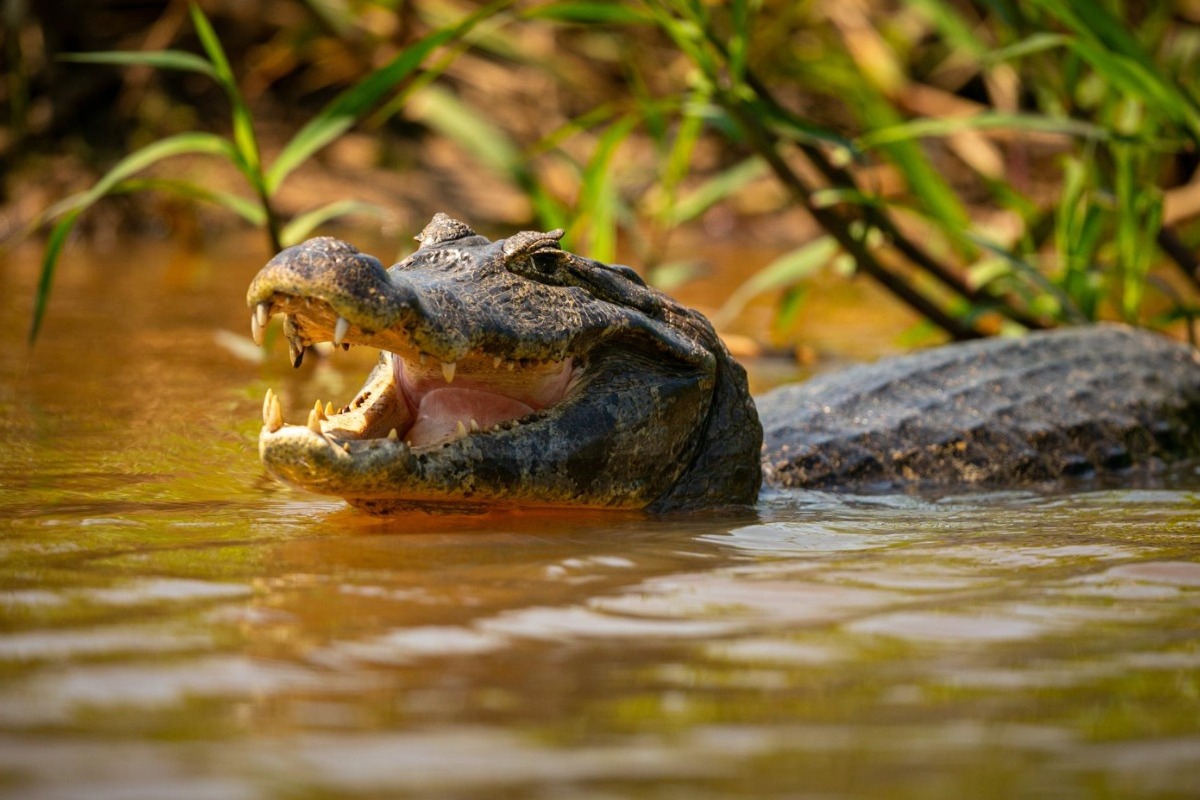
point(173, 624)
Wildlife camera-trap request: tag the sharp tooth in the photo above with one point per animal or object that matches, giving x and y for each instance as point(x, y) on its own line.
point(314, 420)
point(474, 426)
point(262, 313)
point(319, 410)
point(328, 410)
point(267, 406)
point(462, 429)
point(295, 352)
point(340, 330)
point(496, 362)
point(448, 370)
point(393, 435)
point(256, 330)
point(275, 415)
point(511, 365)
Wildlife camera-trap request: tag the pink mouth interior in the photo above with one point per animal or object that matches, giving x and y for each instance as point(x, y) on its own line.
point(475, 400)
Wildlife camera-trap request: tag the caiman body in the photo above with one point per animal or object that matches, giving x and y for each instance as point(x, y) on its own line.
point(515, 373)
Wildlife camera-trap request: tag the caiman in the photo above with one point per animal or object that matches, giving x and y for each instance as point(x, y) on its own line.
point(516, 373)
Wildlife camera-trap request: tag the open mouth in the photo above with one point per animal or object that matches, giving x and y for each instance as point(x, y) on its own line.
point(511, 373)
point(412, 400)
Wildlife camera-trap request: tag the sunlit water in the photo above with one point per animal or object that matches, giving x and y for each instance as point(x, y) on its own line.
point(176, 625)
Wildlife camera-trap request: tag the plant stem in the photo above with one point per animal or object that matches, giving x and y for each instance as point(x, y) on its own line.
point(881, 221)
point(839, 227)
point(1179, 253)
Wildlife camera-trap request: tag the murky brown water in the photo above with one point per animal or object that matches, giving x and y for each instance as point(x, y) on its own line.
point(175, 625)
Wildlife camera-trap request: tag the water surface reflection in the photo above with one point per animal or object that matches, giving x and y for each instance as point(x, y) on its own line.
point(172, 624)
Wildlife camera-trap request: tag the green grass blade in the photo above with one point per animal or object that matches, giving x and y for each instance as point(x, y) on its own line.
point(212, 47)
point(595, 13)
point(933, 127)
point(161, 59)
point(67, 211)
point(1031, 45)
point(1105, 42)
point(250, 162)
point(781, 273)
point(349, 106)
point(926, 183)
point(738, 43)
point(248, 210)
point(1032, 274)
point(299, 228)
point(54, 246)
point(1093, 21)
point(954, 26)
point(442, 111)
point(716, 189)
point(598, 199)
point(688, 37)
point(1131, 77)
point(180, 144)
point(797, 129)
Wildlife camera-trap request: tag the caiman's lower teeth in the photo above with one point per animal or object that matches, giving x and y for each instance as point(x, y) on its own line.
point(266, 409)
point(314, 422)
point(274, 416)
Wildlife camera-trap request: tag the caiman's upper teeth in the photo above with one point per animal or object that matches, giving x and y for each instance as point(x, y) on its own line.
point(448, 370)
point(340, 330)
point(256, 329)
point(262, 313)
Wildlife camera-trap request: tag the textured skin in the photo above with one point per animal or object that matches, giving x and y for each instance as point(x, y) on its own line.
point(998, 411)
point(659, 416)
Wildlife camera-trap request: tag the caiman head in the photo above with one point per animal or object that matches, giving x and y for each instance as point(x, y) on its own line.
point(511, 373)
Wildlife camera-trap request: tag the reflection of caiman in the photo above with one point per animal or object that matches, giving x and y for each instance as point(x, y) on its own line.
point(516, 373)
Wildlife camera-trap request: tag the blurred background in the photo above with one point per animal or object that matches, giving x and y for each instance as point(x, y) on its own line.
point(989, 166)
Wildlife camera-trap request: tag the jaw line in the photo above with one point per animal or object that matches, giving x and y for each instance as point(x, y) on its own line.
point(387, 409)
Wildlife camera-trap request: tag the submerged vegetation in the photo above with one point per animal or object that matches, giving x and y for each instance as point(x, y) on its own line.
point(992, 164)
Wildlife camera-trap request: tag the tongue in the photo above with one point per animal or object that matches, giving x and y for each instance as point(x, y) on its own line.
point(442, 409)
